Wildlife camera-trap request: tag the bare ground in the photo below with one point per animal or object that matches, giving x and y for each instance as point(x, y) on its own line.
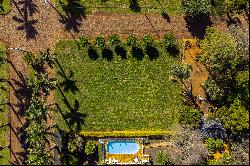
point(43, 29)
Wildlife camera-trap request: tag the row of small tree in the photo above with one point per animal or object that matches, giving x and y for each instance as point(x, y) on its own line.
point(147, 45)
point(38, 133)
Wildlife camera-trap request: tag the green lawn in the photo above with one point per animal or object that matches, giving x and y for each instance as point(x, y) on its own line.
point(4, 6)
point(4, 132)
point(121, 94)
point(124, 6)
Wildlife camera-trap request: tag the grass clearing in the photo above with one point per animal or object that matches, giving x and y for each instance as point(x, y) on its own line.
point(4, 131)
point(5, 6)
point(125, 6)
point(121, 94)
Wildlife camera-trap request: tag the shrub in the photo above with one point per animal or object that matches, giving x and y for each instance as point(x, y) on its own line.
point(89, 148)
point(195, 8)
point(190, 116)
point(75, 144)
point(181, 71)
point(214, 145)
point(131, 41)
point(235, 118)
point(148, 40)
point(171, 44)
point(162, 159)
point(114, 40)
point(100, 42)
point(84, 41)
point(215, 92)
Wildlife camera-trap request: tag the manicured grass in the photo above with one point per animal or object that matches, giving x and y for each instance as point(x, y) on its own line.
point(4, 131)
point(121, 94)
point(124, 6)
point(5, 6)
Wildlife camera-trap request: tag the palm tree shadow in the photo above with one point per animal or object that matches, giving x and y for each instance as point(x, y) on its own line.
point(74, 13)
point(152, 52)
point(28, 6)
point(74, 117)
point(68, 83)
point(28, 9)
point(137, 53)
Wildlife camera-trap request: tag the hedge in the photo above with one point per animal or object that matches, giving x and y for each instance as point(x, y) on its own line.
point(101, 134)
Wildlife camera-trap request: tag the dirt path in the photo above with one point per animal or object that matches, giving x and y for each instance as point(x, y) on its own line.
point(199, 73)
point(43, 30)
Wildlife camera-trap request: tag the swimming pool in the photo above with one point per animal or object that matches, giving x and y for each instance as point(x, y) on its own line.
point(122, 147)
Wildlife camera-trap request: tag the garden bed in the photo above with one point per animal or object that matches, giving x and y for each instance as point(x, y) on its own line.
point(115, 94)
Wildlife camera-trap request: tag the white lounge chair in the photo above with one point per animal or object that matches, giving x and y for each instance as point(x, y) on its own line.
point(145, 161)
point(115, 161)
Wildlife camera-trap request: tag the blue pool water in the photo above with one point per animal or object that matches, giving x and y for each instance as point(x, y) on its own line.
point(122, 147)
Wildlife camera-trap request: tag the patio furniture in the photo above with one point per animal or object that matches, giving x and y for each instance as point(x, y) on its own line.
point(115, 161)
point(145, 161)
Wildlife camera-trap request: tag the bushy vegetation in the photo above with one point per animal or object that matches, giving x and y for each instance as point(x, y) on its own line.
point(90, 148)
point(237, 6)
point(163, 159)
point(171, 44)
point(38, 87)
point(221, 58)
point(214, 145)
point(118, 93)
point(73, 149)
point(226, 57)
point(180, 71)
point(235, 118)
point(196, 8)
point(191, 117)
